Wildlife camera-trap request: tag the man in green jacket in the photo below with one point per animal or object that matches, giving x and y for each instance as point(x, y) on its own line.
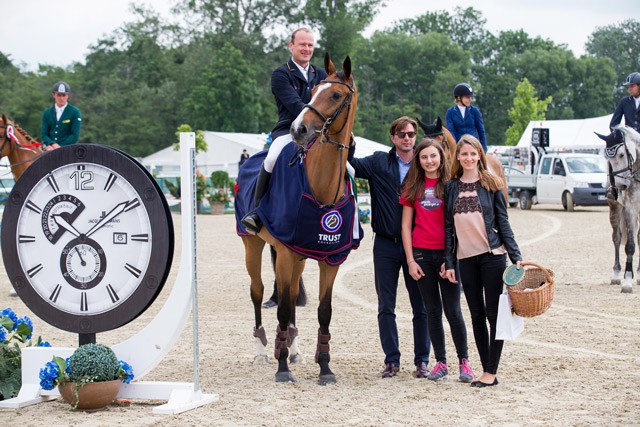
point(62, 121)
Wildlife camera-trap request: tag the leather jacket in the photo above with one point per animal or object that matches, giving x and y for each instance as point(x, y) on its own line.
point(496, 222)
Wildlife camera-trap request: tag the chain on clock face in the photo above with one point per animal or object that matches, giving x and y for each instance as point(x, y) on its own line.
point(96, 234)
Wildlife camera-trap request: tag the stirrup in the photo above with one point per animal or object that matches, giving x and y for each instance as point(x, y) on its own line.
point(252, 223)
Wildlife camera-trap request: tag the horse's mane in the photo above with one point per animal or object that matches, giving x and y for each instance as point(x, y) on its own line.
point(630, 132)
point(24, 133)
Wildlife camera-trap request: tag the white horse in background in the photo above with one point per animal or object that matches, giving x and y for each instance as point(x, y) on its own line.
point(623, 154)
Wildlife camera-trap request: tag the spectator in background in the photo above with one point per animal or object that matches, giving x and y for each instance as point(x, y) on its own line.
point(243, 157)
point(62, 121)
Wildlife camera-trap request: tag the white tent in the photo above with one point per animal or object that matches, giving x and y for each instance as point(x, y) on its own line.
point(223, 153)
point(566, 134)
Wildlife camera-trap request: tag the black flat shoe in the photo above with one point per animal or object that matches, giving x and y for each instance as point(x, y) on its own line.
point(481, 384)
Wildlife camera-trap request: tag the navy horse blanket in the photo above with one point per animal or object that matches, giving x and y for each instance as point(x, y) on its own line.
point(291, 213)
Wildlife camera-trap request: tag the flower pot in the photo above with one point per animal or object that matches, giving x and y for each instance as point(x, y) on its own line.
point(91, 396)
point(217, 208)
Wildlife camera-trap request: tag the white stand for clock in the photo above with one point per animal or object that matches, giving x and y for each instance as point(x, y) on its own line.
point(146, 349)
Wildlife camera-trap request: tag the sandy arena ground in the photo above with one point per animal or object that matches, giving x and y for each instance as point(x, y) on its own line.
point(578, 364)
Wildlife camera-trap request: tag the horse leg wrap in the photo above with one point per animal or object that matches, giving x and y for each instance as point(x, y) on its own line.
point(323, 345)
point(293, 333)
point(281, 343)
point(261, 334)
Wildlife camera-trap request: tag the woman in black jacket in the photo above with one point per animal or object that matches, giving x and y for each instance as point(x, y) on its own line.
point(478, 235)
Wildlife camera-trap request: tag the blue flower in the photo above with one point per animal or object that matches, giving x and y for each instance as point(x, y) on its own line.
point(45, 344)
point(24, 320)
point(7, 312)
point(3, 334)
point(125, 371)
point(66, 362)
point(48, 375)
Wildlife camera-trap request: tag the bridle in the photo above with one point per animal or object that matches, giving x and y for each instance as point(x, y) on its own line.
point(7, 139)
point(325, 136)
point(620, 173)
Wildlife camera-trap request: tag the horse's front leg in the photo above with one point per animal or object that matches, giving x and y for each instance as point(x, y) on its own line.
point(289, 268)
point(253, 262)
point(631, 223)
point(616, 220)
point(323, 357)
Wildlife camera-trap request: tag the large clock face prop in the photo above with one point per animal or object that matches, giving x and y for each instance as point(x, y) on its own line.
point(87, 238)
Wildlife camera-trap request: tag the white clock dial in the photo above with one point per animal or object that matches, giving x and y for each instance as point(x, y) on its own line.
point(122, 231)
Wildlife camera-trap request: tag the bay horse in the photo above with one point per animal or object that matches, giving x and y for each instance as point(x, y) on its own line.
point(438, 131)
point(16, 144)
point(322, 133)
point(623, 154)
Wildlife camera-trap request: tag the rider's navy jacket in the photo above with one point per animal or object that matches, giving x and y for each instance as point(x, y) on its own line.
point(471, 123)
point(292, 92)
point(382, 171)
point(626, 108)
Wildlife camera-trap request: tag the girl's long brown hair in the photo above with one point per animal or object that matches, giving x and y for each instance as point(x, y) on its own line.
point(414, 184)
point(487, 179)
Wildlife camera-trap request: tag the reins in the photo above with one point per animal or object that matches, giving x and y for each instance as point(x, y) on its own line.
point(325, 136)
point(9, 139)
point(611, 152)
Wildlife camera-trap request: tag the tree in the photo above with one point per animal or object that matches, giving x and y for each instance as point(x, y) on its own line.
point(526, 107)
point(620, 43)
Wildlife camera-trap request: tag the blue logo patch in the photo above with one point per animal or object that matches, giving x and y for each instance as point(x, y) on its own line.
point(331, 221)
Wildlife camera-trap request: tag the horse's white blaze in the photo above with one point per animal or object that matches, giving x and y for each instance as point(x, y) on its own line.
point(296, 123)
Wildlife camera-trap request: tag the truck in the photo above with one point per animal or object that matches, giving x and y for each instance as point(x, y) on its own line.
point(572, 179)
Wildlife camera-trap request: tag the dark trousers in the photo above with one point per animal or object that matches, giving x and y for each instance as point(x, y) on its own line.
point(388, 259)
point(481, 277)
point(438, 294)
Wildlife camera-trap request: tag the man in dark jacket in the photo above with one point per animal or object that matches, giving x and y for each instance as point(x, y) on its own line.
point(291, 85)
point(629, 108)
point(386, 173)
point(62, 121)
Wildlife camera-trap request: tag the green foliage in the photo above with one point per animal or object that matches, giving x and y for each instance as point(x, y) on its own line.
point(220, 179)
point(201, 144)
point(174, 189)
point(10, 371)
point(526, 107)
point(95, 361)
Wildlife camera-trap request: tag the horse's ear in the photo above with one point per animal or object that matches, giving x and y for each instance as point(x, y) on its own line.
point(4, 118)
point(346, 67)
point(424, 126)
point(602, 137)
point(328, 64)
point(439, 122)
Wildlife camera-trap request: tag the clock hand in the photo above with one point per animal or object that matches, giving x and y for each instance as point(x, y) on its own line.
point(59, 219)
point(120, 207)
point(82, 261)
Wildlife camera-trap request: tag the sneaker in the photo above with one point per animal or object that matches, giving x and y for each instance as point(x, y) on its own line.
point(466, 374)
point(439, 372)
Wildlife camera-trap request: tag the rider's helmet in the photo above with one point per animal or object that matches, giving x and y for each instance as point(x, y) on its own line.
point(61, 87)
point(633, 79)
point(462, 89)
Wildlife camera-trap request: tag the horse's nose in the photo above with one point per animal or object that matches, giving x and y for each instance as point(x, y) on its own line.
point(298, 132)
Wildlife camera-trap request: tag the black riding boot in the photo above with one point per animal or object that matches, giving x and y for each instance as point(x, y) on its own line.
point(251, 220)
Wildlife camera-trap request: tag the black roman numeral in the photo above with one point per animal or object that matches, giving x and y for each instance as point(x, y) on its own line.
point(112, 178)
point(26, 239)
point(55, 294)
point(52, 183)
point(132, 205)
point(131, 269)
point(35, 270)
point(84, 305)
point(112, 294)
point(140, 237)
point(33, 207)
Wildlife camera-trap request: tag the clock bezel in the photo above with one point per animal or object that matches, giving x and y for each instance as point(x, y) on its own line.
point(151, 197)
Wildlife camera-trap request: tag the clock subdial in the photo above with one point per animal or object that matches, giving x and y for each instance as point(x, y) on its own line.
point(65, 206)
point(83, 263)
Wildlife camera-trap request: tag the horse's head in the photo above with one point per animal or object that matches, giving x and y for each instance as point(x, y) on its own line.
point(331, 111)
point(623, 154)
point(432, 130)
point(5, 140)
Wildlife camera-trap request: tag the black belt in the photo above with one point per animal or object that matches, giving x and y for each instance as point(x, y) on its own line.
point(393, 239)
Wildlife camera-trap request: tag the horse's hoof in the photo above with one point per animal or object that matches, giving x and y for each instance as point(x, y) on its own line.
point(296, 359)
point(327, 379)
point(261, 359)
point(284, 377)
point(616, 282)
point(626, 290)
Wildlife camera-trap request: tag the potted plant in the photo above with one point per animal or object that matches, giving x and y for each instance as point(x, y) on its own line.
point(14, 331)
point(90, 379)
point(218, 201)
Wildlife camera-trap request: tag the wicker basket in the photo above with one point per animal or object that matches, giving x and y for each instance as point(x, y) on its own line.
point(532, 295)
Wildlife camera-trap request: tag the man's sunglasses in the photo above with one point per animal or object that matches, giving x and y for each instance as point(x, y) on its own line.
point(403, 134)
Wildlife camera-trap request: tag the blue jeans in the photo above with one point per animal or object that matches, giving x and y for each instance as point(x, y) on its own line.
point(388, 259)
point(481, 277)
point(438, 294)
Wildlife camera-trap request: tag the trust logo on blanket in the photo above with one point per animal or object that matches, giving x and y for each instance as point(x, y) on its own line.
point(331, 221)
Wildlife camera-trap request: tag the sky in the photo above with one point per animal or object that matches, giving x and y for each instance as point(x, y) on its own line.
point(59, 32)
